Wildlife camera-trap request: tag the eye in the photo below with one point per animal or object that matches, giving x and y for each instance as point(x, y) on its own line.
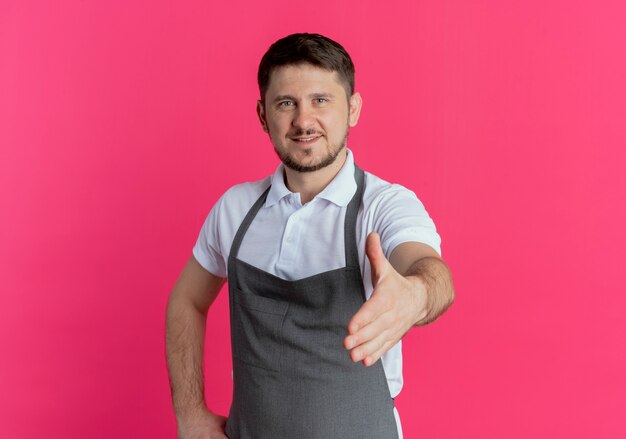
point(321, 100)
point(285, 104)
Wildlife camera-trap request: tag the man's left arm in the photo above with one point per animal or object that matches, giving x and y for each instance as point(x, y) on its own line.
point(412, 288)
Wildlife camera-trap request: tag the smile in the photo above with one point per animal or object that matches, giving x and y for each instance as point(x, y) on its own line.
point(305, 139)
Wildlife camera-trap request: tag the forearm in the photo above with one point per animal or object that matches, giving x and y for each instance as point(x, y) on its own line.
point(432, 278)
point(185, 331)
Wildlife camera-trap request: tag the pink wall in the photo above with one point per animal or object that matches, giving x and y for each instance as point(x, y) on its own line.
point(122, 122)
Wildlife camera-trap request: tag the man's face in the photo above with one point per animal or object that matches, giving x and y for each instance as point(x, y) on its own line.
point(307, 115)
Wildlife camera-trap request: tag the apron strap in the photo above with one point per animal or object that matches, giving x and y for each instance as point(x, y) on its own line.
point(245, 224)
point(351, 250)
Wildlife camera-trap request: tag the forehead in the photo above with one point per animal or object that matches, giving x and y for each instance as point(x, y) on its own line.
point(302, 78)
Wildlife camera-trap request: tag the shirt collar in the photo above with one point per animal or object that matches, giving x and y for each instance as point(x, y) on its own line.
point(339, 191)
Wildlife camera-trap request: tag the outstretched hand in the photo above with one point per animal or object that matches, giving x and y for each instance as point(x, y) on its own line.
point(396, 304)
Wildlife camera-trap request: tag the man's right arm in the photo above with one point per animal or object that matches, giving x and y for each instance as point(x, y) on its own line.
point(187, 309)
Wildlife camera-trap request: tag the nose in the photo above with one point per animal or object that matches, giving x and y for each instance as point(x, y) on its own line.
point(303, 118)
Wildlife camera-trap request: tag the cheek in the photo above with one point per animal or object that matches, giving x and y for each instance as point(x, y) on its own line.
point(335, 124)
point(278, 123)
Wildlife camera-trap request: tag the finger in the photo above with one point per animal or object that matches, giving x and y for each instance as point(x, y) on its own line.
point(368, 312)
point(367, 352)
point(385, 347)
point(372, 337)
point(369, 331)
point(375, 356)
point(374, 252)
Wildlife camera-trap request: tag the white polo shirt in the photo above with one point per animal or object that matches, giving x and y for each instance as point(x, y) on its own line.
point(294, 241)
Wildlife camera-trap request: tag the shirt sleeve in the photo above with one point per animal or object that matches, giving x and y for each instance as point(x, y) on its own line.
point(401, 217)
point(207, 250)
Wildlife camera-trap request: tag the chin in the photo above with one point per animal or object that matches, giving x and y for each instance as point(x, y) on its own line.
point(308, 164)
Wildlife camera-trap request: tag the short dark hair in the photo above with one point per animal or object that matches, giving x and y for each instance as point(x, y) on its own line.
point(304, 48)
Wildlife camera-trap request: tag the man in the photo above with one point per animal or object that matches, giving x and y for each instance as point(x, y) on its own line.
point(328, 267)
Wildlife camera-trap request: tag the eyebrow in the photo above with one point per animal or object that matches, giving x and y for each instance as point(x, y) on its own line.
point(311, 96)
point(283, 98)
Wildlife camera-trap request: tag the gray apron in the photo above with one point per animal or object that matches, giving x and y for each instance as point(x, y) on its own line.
point(293, 379)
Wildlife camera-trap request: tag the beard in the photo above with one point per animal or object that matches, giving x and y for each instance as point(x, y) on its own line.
point(327, 160)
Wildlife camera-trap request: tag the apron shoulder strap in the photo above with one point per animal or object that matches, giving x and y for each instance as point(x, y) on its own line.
point(352, 252)
point(245, 224)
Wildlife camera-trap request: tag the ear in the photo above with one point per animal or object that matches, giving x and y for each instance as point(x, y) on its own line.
point(260, 111)
point(355, 109)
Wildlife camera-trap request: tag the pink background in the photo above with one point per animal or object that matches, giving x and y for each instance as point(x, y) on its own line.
point(122, 122)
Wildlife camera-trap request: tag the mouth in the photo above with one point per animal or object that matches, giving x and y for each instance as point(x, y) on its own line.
point(305, 140)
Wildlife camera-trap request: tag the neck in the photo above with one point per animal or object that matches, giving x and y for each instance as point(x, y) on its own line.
point(309, 184)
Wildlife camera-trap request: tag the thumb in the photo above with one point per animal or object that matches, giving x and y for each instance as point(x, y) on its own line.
point(375, 254)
